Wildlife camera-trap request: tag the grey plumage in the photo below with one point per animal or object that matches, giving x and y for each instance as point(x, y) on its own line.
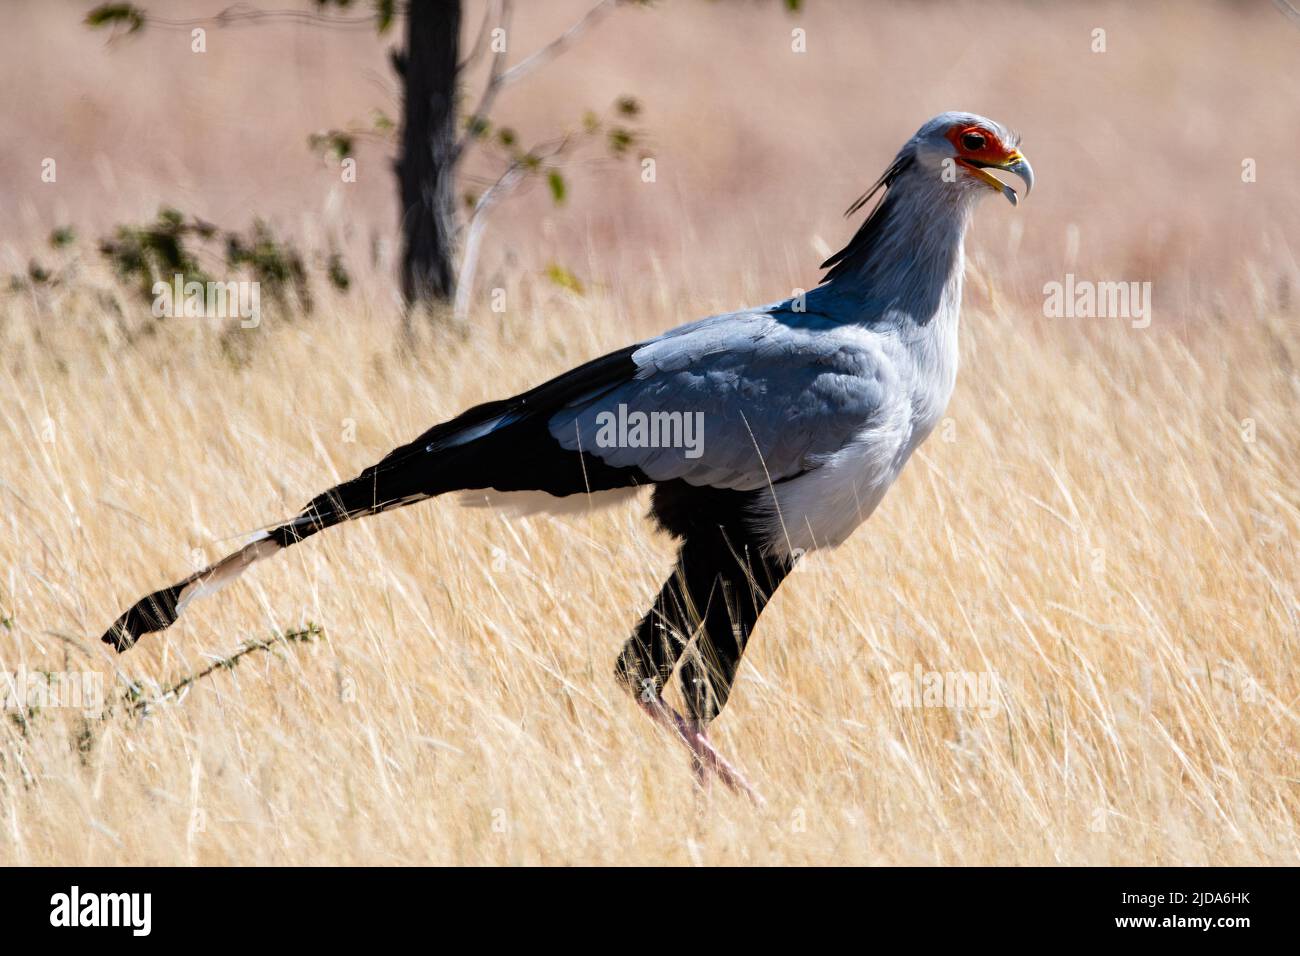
point(776, 390)
point(819, 398)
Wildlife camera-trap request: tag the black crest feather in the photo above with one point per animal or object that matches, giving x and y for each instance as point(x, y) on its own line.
point(859, 248)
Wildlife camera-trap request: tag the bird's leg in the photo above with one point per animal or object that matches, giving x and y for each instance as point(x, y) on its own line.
point(705, 757)
point(717, 591)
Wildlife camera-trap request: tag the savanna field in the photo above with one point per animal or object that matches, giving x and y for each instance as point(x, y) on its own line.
point(1104, 525)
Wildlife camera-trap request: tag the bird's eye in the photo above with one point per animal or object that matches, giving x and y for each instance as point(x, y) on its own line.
point(973, 141)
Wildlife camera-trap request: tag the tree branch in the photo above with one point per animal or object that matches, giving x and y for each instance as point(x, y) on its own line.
point(505, 183)
point(137, 702)
point(489, 90)
point(499, 79)
point(508, 180)
point(558, 45)
point(491, 12)
point(239, 13)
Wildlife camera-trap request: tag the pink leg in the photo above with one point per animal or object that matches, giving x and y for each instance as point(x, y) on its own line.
point(706, 758)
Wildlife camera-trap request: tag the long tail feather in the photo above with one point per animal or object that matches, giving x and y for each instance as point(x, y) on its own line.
point(503, 445)
point(159, 610)
point(363, 495)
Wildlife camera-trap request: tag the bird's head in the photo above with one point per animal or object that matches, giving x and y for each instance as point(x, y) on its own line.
point(961, 148)
point(932, 182)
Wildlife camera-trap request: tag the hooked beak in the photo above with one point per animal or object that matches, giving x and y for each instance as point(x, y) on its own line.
point(1016, 164)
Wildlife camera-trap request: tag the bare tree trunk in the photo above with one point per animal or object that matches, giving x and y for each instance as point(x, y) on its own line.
point(425, 173)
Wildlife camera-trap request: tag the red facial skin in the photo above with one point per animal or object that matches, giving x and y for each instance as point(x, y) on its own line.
point(994, 151)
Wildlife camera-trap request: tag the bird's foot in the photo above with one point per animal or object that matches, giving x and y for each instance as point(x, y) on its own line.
point(704, 756)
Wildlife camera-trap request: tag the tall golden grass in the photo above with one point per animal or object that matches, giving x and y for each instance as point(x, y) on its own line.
point(1106, 522)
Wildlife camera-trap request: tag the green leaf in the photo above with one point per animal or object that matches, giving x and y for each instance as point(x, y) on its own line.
point(564, 278)
point(338, 273)
point(620, 139)
point(62, 236)
point(116, 14)
point(385, 11)
point(333, 141)
point(628, 106)
point(558, 187)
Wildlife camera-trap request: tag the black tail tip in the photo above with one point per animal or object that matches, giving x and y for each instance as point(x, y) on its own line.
point(154, 612)
point(119, 637)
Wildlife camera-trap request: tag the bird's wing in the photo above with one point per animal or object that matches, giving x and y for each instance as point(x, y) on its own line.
point(737, 401)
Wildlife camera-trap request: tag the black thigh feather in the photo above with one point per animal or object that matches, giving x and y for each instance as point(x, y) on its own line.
point(708, 608)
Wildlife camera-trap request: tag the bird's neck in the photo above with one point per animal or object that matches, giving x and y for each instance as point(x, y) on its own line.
point(905, 265)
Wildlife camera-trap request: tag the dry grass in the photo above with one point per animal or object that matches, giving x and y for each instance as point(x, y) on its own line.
point(1095, 525)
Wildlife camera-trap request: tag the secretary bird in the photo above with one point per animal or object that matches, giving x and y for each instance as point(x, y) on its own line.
point(808, 408)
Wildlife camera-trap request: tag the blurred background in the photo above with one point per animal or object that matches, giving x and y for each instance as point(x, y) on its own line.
point(758, 149)
point(1104, 524)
